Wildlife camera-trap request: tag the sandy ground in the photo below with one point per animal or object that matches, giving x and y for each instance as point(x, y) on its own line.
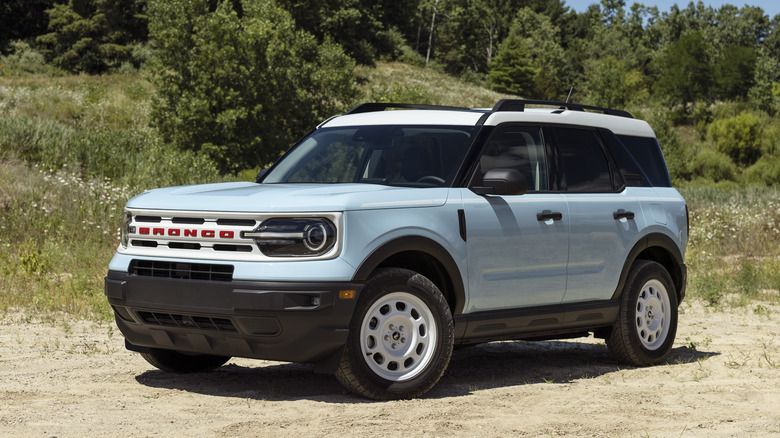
point(723, 379)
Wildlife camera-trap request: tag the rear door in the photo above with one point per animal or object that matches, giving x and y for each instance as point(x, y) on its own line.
point(603, 214)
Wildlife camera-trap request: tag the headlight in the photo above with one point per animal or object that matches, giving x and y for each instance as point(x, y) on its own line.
point(295, 237)
point(126, 228)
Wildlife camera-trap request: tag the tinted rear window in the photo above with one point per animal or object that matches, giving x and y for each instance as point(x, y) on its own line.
point(647, 152)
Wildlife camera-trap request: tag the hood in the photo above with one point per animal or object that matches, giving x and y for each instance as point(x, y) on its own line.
point(252, 197)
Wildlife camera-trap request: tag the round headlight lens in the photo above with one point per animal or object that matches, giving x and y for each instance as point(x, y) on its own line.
point(315, 237)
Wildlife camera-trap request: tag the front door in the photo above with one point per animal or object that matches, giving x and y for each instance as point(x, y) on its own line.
point(517, 245)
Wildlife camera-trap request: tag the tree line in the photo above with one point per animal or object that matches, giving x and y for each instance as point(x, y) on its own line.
point(238, 79)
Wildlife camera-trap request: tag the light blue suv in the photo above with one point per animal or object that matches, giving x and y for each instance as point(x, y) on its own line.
point(394, 232)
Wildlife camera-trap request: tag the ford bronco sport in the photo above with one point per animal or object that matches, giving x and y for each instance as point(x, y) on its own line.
point(393, 232)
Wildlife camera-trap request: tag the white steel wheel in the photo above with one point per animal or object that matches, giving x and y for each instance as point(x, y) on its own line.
point(644, 331)
point(652, 314)
point(400, 338)
point(397, 336)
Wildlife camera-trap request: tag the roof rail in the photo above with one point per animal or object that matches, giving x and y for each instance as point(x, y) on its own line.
point(376, 106)
point(519, 105)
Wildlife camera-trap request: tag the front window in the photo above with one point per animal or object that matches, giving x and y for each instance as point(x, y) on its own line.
point(415, 156)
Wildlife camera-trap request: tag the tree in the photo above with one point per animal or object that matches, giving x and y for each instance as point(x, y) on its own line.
point(364, 28)
point(685, 73)
point(735, 72)
point(546, 56)
point(94, 36)
point(241, 87)
point(612, 85)
point(21, 20)
point(767, 72)
point(510, 71)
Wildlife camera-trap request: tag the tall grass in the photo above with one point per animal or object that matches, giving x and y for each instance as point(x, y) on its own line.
point(73, 150)
point(734, 248)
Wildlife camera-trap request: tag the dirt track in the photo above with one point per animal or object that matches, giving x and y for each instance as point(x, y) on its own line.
point(723, 379)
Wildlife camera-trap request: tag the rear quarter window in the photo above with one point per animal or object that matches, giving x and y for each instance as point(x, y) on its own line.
point(647, 152)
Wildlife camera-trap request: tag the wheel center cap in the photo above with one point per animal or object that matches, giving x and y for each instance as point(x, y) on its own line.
point(396, 336)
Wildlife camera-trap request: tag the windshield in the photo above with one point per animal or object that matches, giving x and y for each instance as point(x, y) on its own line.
point(417, 156)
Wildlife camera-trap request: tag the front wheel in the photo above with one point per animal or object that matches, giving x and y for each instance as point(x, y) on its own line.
point(175, 362)
point(401, 337)
point(647, 322)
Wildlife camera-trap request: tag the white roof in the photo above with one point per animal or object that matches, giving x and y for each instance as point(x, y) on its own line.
point(618, 125)
point(406, 117)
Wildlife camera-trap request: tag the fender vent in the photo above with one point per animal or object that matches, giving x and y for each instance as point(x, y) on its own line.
point(182, 271)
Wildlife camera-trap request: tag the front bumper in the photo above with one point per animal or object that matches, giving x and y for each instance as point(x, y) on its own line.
point(295, 322)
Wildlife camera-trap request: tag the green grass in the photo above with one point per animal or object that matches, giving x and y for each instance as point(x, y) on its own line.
point(73, 149)
point(734, 248)
point(397, 82)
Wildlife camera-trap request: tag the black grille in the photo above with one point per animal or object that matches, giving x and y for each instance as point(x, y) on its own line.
point(188, 321)
point(183, 271)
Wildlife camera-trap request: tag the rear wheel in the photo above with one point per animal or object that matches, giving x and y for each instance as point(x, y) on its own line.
point(175, 362)
point(400, 339)
point(647, 323)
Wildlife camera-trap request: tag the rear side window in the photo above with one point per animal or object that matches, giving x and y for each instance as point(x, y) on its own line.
point(647, 152)
point(585, 168)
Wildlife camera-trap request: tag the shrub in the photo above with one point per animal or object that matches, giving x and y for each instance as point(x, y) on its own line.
point(24, 60)
point(765, 171)
point(739, 137)
point(713, 165)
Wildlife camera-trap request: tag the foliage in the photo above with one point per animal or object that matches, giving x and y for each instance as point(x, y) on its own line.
point(511, 71)
point(529, 61)
point(87, 149)
point(24, 60)
point(735, 72)
point(739, 137)
point(766, 171)
point(94, 36)
point(22, 20)
point(241, 88)
point(366, 29)
point(403, 81)
point(734, 244)
point(767, 72)
point(684, 71)
point(612, 85)
point(713, 165)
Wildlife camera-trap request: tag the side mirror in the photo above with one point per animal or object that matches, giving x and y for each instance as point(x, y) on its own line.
point(501, 182)
point(260, 175)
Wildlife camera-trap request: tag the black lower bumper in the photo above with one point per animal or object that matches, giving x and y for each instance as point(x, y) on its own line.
point(296, 322)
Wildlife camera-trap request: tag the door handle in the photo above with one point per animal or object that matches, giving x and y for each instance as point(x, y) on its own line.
point(549, 214)
point(620, 214)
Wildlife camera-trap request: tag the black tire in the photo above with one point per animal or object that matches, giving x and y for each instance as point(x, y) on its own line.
point(386, 359)
point(647, 322)
point(181, 363)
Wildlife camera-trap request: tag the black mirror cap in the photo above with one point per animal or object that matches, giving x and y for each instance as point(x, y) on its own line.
point(501, 182)
point(260, 175)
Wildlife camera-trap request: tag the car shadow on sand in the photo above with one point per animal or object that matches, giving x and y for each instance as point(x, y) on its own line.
point(485, 366)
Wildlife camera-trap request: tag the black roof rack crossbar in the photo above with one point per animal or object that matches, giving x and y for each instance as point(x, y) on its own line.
point(376, 106)
point(519, 105)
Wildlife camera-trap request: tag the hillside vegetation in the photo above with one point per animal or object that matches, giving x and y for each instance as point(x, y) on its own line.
point(73, 149)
